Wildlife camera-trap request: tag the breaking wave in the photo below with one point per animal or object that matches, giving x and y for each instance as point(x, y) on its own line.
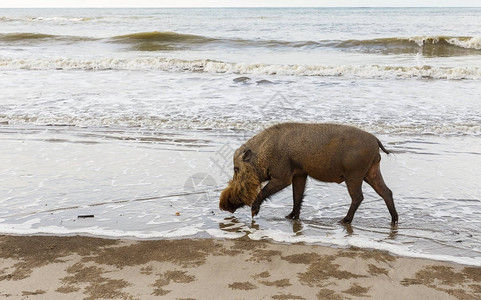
point(161, 41)
point(210, 66)
point(443, 46)
point(23, 37)
point(431, 46)
point(156, 36)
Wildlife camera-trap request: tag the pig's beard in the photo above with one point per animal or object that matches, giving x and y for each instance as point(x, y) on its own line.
point(242, 190)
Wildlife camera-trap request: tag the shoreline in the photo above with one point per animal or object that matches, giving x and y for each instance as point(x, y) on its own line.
point(80, 267)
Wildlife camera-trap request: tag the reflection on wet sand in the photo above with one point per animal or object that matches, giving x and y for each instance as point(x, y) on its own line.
point(234, 225)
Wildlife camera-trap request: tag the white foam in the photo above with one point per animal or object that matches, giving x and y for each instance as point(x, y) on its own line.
point(403, 250)
point(99, 231)
point(57, 19)
point(463, 42)
point(337, 239)
point(447, 129)
point(171, 64)
point(217, 233)
point(360, 242)
point(471, 43)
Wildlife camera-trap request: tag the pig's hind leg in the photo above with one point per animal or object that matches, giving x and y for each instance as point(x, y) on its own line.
point(375, 180)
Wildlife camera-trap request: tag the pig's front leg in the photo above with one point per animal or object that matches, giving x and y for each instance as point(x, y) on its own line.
point(273, 186)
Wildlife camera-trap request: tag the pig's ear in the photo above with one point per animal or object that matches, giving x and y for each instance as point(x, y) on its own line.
point(247, 155)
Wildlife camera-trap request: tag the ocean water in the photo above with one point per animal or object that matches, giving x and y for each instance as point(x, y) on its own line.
point(123, 122)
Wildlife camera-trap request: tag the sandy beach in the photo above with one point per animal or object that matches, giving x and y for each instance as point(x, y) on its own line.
point(77, 267)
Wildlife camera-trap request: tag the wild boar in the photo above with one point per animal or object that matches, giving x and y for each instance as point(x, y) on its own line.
point(287, 153)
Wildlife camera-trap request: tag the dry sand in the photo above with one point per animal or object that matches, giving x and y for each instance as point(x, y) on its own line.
point(49, 267)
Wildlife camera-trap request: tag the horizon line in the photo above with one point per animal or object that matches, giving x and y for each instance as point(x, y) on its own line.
point(361, 6)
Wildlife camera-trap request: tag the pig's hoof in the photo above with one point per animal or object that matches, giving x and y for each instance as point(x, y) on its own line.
point(292, 216)
point(255, 210)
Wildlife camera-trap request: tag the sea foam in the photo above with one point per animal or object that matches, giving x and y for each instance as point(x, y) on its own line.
point(210, 66)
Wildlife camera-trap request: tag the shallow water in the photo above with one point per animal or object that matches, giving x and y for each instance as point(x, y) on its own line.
point(166, 184)
point(135, 124)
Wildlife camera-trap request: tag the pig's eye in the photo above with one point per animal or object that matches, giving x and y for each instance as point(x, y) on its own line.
point(236, 169)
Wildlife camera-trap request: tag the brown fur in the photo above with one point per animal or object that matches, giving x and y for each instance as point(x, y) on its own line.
point(242, 190)
point(287, 153)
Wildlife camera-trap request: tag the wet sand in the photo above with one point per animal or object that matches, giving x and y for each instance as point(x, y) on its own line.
point(53, 267)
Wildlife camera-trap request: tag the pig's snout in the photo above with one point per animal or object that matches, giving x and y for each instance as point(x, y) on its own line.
point(224, 203)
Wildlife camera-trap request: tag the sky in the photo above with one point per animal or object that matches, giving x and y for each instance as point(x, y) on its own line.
point(238, 3)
